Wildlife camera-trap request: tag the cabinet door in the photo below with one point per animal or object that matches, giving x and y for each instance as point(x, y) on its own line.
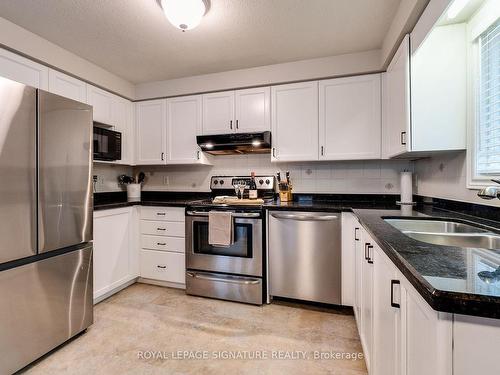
point(367, 300)
point(359, 260)
point(23, 70)
point(349, 235)
point(102, 104)
point(218, 113)
point(252, 110)
point(396, 125)
point(294, 120)
point(122, 119)
point(183, 125)
point(111, 250)
point(426, 336)
point(69, 87)
point(350, 118)
point(386, 316)
point(151, 132)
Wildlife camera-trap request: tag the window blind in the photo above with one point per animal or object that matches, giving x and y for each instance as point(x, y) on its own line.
point(488, 129)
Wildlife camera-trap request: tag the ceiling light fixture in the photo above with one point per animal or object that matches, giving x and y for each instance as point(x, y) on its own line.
point(185, 14)
point(455, 8)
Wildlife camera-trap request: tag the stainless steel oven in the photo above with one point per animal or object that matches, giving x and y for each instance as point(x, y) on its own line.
point(233, 272)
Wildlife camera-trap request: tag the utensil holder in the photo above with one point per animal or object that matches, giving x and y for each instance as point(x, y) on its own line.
point(134, 192)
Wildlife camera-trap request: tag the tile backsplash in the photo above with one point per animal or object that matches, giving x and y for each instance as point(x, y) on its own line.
point(107, 176)
point(445, 176)
point(369, 177)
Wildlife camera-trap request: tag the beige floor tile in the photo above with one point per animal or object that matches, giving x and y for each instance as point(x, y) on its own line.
point(145, 319)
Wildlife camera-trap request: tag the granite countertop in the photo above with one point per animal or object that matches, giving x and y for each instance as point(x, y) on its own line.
point(445, 276)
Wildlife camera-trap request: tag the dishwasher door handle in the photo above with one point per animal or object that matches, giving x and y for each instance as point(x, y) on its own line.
point(305, 217)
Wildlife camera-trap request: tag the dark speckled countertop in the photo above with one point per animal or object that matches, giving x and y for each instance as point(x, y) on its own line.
point(445, 276)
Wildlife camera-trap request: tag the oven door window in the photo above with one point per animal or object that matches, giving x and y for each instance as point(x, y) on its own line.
point(242, 246)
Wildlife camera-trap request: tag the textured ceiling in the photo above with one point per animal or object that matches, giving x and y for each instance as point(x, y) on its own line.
point(133, 39)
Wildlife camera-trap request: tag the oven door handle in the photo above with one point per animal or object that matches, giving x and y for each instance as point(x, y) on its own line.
point(238, 214)
point(305, 217)
point(232, 280)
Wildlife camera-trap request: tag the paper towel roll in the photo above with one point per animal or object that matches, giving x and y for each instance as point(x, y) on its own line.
point(406, 187)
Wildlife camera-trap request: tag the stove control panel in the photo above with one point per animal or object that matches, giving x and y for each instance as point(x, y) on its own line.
point(228, 182)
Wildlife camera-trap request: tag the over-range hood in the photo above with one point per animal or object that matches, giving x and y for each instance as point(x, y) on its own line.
point(235, 143)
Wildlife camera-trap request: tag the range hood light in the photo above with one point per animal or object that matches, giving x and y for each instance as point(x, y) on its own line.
point(256, 143)
point(209, 145)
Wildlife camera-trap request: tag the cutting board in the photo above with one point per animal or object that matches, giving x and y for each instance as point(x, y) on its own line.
point(239, 202)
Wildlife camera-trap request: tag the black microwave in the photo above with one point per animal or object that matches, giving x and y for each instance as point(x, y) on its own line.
point(107, 144)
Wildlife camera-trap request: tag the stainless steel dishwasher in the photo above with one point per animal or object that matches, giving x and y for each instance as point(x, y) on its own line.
point(305, 256)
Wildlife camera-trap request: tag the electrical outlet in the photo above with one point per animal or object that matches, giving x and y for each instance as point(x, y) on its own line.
point(166, 180)
point(94, 178)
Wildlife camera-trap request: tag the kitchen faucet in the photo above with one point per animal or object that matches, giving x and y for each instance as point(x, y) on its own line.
point(490, 192)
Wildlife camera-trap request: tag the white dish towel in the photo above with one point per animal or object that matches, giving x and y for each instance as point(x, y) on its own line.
point(220, 228)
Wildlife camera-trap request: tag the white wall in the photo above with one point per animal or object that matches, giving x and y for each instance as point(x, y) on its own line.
point(21, 40)
point(348, 64)
point(445, 177)
point(347, 177)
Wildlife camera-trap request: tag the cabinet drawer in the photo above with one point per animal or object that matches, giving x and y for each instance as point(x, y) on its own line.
point(162, 265)
point(175, 244)
point(163, 213)
point(162, 228)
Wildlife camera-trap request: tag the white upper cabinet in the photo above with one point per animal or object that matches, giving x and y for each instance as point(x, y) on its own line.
point(218, 113)
point(23, 70)
point(252, 107)
point(439, 90)
point(184, 116)
point(123, 122)
point(294, 122)
point(396, 93)
point(350, 118)
point(102, 103)
point(151, 124)
point(67, 86)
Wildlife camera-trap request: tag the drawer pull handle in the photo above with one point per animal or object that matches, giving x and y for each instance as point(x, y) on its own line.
point(160, 213)
point(161, 229)
point(162, 267)
point(393, 304)
point(161, 243)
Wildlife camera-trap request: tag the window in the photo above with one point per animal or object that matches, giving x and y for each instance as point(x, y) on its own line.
point(488, 105)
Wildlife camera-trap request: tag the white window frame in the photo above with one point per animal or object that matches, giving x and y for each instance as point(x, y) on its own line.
point(483, 19)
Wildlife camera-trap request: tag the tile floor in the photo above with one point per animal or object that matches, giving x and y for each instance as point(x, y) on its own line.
point(144, 321)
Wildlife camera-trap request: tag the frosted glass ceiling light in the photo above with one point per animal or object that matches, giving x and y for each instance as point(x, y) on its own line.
point(184, 14)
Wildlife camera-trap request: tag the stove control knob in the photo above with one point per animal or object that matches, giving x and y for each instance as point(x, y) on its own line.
point(216, 182)
point(268, 182)
point(222, 182)
point(261, 182)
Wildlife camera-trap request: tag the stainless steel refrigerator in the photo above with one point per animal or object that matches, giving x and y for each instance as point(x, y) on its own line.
point(45, 222)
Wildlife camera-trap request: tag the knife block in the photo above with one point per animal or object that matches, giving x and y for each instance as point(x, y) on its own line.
point(286, 195)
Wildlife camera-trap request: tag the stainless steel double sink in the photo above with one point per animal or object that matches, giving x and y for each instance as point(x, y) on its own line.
point(448, 233)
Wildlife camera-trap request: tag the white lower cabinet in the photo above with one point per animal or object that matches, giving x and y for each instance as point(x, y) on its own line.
point(115, 250)
point(349, 233)
point(400, 333)
point(163, 266)
point(163, 245)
